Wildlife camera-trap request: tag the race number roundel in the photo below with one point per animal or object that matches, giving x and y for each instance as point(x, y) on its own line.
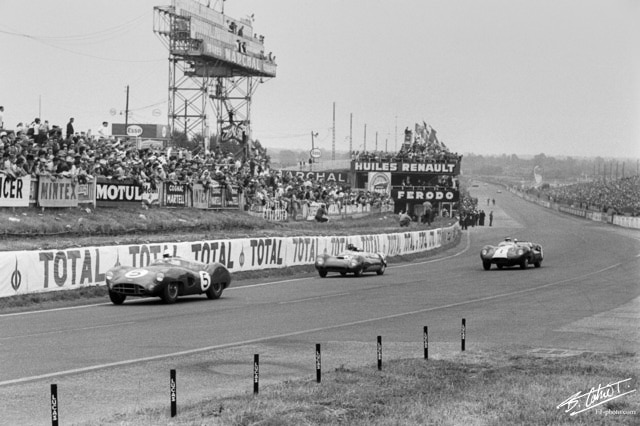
point(136, 273)
point(205, 280)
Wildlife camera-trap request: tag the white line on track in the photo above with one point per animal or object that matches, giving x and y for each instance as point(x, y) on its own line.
point(244, 286)
point(314, 298)
point(65, 330)
point(296, 333)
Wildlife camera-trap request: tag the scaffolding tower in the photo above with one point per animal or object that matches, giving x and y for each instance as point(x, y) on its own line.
point(215, 66)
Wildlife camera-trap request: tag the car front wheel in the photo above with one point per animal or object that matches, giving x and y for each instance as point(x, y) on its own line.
point(525, 263)
point(117, 298)
point(170, 293)
point(486, 265)
point(322, 273)
point(382, 269)
point(215, 290)
point(358, 272)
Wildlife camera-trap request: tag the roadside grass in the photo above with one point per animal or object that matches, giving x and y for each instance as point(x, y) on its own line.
point(495, 387)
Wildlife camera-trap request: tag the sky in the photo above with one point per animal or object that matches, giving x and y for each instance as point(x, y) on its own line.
point(492, 77)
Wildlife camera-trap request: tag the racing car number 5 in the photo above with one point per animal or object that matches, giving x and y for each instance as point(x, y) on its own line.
point(205, 280)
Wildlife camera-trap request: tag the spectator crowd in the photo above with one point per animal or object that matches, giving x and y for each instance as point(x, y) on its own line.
point(611, 196)
point(40, 149)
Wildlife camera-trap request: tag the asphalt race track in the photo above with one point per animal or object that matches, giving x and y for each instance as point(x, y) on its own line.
point(106, 358)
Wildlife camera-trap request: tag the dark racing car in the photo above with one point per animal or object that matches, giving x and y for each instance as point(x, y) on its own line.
point(167, 278)
point(511, 253)
point(352, 261)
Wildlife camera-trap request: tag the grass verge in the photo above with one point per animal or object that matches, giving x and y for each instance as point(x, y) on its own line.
point(475, 388)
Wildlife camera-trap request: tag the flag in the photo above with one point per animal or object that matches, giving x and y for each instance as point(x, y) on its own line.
point(432, 135)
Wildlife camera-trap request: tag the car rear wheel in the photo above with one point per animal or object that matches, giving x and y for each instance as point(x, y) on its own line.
point(525, 263)
point(117, 298)
point(381, 270)
point(170, 293)
point(344, 274)
point(486, 265)
point(322, 273)
point(537, 264)
point(499, 266)
point(215, 290)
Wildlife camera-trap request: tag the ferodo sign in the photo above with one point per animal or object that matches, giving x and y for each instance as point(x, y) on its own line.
point(425, 195)
point(48, 270)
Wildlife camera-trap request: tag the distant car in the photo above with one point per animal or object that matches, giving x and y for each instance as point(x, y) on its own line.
point(511, 253)
point(352, 261)
point(167, 278)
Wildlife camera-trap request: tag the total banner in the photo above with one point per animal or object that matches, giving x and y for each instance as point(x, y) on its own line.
point(23, 272)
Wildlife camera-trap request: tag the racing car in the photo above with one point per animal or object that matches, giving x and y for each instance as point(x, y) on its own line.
point(352, 260)
point(167, 278)
point(510, 253)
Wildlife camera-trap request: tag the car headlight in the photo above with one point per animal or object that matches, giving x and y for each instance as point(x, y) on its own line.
point(354, 262)
point(320, 260)
point(159, 276)
point(109, 275)
point(520, 252)
point(484, 252)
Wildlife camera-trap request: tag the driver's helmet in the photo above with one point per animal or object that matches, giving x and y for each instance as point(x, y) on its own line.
point(166, 253)
point(515, 240)
point(508, 239)
point(351, 247)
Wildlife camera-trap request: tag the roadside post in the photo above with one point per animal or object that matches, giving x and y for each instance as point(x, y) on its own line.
point(425, 341)
point(256, 373)
point(379, 352)
point(173, 392)
point(463, 333)
point(318, 364)
point(54, 405)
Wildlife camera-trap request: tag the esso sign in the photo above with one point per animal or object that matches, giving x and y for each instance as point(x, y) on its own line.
point(315, 153)
point(134, 130)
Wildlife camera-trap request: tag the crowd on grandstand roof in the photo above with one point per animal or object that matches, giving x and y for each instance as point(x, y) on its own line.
point(611, 196)
point(423, 147)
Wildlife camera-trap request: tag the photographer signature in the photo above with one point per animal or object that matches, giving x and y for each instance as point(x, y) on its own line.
point(579, 402)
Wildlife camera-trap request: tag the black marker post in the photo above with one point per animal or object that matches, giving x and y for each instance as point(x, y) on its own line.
point(54, 405)
point(425, 340)
point(379, 352)
point(318, 364)
point(173, 393)
point(256, 373)
point(463, 333)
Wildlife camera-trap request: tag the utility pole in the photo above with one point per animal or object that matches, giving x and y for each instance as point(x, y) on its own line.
point(333, 146)
point(365, 137)
point(395, 146)
point(350, 133)
point(126, 115)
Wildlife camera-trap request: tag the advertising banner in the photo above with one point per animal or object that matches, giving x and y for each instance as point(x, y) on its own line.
point(379, 182)
point(49, 270)
point(199, 196)
point(327, 176)
point(425, 194)
point(433, 167)
point(57, 192)
point(14, 192)
point(175, 194)
point(118, 193)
